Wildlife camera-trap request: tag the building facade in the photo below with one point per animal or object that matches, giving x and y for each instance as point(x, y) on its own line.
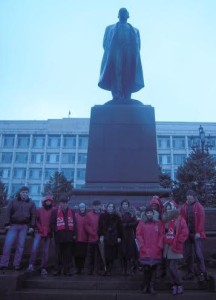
point(31, 151)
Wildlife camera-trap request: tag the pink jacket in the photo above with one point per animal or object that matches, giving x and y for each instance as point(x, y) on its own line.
point(92, 226)
point(199, 213)
point(180, 236)
point(81, 230)
point(150, 239)
point(43, 220)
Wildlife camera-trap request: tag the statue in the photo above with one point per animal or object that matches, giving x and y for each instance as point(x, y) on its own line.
point(121, 69)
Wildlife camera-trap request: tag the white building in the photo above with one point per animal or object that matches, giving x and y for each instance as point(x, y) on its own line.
point(31, 151)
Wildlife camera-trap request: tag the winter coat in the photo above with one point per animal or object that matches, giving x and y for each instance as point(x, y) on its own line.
point(129, 223)
point(43, 216)
point(149, 236)
point(21, 212)
point(91, 226)
point(66, 235)
point(199, 216)
point(81, 235)
point(110, 227)
point(181, 231)
point(110, 58)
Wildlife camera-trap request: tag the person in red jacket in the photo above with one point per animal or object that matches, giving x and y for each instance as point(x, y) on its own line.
point(91, 225)
point(157, 206)
point(194, 214)
point(149, 234)
point(43, 234)
point(81, 239)
point(176, 233)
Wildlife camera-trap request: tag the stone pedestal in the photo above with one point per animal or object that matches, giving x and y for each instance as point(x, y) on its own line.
point(122, 147)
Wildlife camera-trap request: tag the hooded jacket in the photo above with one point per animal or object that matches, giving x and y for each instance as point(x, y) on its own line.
point(150, 235)
point(43, 218)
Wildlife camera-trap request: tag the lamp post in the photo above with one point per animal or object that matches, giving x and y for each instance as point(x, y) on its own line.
point(203, 144)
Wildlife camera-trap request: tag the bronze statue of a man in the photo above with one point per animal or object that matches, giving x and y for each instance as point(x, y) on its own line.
point(121, 68)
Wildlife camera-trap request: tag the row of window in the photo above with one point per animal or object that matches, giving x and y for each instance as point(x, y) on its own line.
point(20, 173)
point(22, 157)
point(180, 142)
point(38, 141)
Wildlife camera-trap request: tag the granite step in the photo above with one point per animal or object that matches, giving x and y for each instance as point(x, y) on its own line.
point(56, 294)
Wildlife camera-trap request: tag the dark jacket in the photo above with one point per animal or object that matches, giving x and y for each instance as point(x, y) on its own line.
point(21, 212)
point(66, 235)
point(110, 227)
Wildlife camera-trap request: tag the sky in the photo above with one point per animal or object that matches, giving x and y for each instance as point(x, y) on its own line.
point(51, 51)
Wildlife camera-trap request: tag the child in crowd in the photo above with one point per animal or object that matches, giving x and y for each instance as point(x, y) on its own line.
point(176, 232)
point(149, 234)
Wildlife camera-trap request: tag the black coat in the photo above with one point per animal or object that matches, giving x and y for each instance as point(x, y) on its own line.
point(110, 227)
point(66, 235)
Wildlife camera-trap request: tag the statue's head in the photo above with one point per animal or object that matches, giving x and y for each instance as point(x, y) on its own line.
point(123, 14)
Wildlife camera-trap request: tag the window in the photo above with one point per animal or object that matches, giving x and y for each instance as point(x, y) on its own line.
point(50, 172)
point(35, 173)
point(8, 141)
point(34, 189)
point(164, 159)
point(21, 157)
point(37, 158)
point(7, 157)
point(52, 158)
point(38, 141)
point(53, 141)
point(68, 173)
point(5, 173)
point(163, 142)
point(167, 172)
point(82, 158)
point(19, 173)
point(69, 141)
point(179, 159)
point(83, 142)
point(68, 158)
point(23, 141)
point(16, 187)
point(81, 174)
point(178, 142)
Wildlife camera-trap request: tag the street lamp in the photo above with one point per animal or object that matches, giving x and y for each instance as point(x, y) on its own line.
point(203, 144)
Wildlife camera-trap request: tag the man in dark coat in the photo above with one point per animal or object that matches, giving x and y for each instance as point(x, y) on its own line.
point(62, 224)
point(121, 69)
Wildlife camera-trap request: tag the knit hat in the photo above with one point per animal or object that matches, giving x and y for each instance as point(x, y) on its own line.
point(96, 202)
point(191, 193)
point(149, 208)
point(24, 188)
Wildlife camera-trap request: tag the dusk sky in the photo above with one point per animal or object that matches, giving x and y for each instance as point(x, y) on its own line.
point(51, 51)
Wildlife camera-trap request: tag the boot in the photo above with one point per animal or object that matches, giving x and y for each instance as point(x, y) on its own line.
point(180, 289)
point(174, 289)
point(151, 288)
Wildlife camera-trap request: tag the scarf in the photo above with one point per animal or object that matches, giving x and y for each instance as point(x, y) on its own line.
point(60, 219)
point(170, 232)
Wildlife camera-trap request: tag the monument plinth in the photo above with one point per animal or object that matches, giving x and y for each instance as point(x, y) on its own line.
point(122, 147)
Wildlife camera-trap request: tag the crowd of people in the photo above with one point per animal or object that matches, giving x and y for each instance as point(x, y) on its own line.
point(152, 241)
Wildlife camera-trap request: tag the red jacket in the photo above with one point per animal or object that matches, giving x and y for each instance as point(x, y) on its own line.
point(180, 236)
point(92, 226)
point(199, 214)
point(150, 239)
point(81, 230)
point(43, 220)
